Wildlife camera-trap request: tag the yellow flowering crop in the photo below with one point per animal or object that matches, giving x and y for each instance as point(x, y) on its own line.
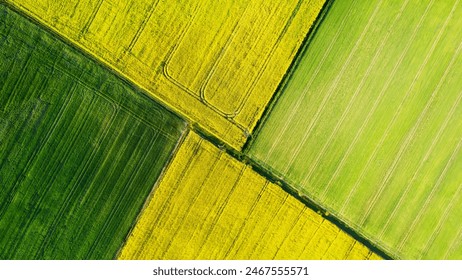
point(208, 205)
point(217, 63)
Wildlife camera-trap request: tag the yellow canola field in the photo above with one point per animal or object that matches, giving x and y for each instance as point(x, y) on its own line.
point(215, 62)
point(208, 205)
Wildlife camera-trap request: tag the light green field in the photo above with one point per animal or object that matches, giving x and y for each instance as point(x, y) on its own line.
point(369, 124)
point(80, 150)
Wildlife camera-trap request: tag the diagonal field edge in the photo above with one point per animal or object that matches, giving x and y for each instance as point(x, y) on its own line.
point(273, 178)
point(241, 156)
point(290, 70)
point(91, 57)
point(180, 131)
point(167, 165)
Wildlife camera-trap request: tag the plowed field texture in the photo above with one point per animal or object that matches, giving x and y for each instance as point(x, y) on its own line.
point(368, 124)
point(80, 150)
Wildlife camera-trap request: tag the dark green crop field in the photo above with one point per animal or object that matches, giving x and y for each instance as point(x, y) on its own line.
point(80, 150)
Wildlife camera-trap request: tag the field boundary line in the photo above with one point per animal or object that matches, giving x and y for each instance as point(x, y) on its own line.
point(267, 59)
point(72, 44)
point(122, 193)
point(330, 92)
point(290, 188)
point(333, 240)
point(324, 223)
point(298, 102)
point(289, 73)
point(150, 195)
point(142, 90)
point(169, 77)
point(167, 202)
point(369, 115)
point(319, 209)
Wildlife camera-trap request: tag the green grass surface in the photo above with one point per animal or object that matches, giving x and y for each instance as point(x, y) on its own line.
point(369, 124)
point(80, 150)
